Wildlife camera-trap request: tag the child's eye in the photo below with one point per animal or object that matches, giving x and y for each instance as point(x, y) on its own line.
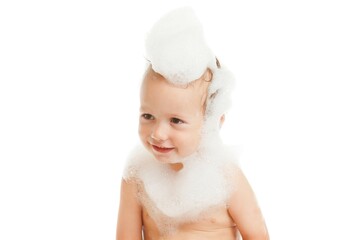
point(176, 121)
point(147, 116)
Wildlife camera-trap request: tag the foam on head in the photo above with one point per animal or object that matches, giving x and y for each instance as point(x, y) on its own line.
point(176, 49)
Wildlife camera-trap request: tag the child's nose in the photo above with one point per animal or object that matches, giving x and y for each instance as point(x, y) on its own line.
point(160, 132)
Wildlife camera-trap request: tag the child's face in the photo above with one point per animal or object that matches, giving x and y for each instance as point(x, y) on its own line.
point(171, 118)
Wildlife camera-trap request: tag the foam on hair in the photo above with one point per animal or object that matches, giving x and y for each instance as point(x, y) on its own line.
point(176, 47)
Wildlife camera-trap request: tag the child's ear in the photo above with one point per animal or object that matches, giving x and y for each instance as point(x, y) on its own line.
point(222, 119)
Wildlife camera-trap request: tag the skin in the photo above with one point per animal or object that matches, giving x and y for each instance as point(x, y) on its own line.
point(170, 124)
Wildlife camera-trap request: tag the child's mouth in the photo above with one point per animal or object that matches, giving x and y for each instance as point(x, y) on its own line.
point(161, 149)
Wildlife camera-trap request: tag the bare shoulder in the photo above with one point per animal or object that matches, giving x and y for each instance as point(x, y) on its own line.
point(129, 226)
point(238, 182)
point(129, 187)
point(244, 209)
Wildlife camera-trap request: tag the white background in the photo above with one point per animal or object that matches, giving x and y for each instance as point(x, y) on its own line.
point(69, 78)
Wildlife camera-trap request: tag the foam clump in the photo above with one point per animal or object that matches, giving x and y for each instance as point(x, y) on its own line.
point(219, 98)
point(182, 196)
point(176, 47)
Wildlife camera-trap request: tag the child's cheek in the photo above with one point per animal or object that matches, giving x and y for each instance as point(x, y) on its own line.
point(143, 132)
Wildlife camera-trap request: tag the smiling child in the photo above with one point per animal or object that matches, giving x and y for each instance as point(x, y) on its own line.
point(183, 182)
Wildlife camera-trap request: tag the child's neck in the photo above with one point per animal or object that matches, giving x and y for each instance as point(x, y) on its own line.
point(176, 166)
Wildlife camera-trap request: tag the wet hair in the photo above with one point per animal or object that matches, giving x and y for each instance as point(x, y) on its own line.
point(208, 82)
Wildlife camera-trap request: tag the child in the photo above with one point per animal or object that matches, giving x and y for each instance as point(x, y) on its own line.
point(183, 183)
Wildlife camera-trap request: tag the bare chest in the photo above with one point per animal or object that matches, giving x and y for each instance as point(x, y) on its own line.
point(213, 224)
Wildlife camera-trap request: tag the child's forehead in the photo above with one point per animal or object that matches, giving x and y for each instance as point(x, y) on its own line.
point(157, 85)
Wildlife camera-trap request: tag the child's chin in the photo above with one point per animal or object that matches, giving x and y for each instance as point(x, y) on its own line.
point(167, 160)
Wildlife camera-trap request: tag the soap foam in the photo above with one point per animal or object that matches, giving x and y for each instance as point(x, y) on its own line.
point(171, 197)
point(176, 47)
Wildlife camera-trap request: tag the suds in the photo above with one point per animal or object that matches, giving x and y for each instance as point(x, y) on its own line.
point(205, 181)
